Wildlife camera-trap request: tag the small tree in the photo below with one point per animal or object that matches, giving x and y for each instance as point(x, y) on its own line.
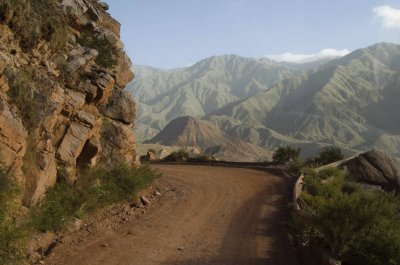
point(285, 154)
point(178, 156)
point(358, 227)
point(329, 155)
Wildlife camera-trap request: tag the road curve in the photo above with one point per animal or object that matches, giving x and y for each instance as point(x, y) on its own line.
point(211, 215)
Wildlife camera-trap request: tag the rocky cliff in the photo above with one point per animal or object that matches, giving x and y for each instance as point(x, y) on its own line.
point(62, 103)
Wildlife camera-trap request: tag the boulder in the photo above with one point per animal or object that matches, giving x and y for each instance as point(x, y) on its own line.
point(120, 107)
point(145, 200)
point(376, 168)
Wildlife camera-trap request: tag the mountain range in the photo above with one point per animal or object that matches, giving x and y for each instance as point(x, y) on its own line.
point(351, 102)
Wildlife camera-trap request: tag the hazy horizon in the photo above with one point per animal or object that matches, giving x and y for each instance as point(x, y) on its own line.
point(178, 33)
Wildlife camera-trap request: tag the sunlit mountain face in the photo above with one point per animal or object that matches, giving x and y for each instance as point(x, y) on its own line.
point(349, 101)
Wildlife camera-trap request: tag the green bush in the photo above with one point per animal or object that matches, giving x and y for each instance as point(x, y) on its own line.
point(297, 166)
point(358, 227)
point(178, 156)
point(107, 51)
point(285, 154)
point(22, 94)
point(46, 21)
point(6, 188)
point(12, 236)
point(95, 188)
point(329, 155)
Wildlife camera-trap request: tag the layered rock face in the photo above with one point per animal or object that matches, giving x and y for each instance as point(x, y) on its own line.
point(62, 103)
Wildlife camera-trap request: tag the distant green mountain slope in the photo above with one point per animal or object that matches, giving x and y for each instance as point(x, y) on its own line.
point(352, 102)
point(200, 89)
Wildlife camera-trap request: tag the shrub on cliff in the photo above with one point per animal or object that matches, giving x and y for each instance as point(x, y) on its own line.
point(22, 94)
point(358, 227)
point(107, 51)
point(12, 236)
point(46, 21)
point(94, 189)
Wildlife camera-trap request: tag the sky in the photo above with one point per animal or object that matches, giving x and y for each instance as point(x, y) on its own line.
point(178, 33)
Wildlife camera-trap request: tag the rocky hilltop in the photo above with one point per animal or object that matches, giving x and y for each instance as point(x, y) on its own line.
point(62, 103)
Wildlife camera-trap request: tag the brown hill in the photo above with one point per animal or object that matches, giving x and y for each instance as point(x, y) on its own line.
point(188, 131)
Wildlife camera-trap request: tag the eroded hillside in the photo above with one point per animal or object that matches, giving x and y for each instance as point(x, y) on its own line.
point(349, 102)
point(200, 89)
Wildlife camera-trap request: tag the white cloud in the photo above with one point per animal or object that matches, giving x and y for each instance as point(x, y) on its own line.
point(388, 16)
point(304, 58)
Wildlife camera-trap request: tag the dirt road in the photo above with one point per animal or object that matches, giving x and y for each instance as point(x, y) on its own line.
point(210, 215)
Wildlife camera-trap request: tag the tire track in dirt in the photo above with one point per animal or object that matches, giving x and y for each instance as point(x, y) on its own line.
point(214, 215)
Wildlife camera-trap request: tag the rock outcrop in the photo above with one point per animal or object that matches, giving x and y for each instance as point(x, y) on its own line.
point(62, 103)
point(376, 168)
point(12, 139)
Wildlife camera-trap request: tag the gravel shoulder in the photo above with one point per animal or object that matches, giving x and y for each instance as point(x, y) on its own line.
point(205, 215)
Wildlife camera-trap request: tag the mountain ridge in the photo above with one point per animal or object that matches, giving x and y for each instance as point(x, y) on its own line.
point(198, 90)
point(190, 132)
point(349, 101)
